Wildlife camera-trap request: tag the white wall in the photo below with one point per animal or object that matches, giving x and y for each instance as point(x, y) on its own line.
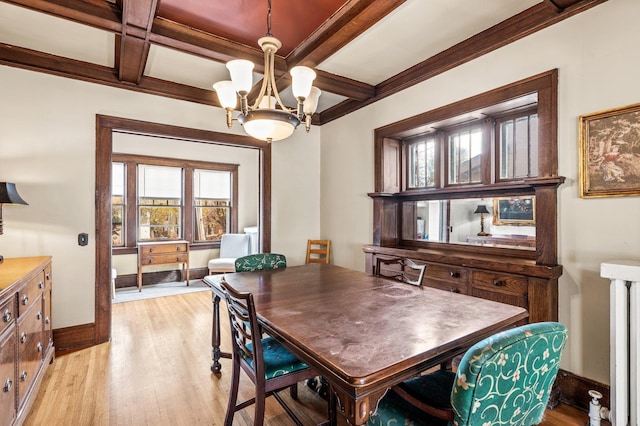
point(47, 147)
point(598, 58)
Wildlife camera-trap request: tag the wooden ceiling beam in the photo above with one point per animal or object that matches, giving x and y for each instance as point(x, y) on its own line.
point(521, 25)
point(23, 58)
point(351, 20)
point(102, 15)
point(133, 43)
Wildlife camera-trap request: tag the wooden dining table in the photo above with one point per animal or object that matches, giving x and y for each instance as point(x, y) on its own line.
point(362, 333)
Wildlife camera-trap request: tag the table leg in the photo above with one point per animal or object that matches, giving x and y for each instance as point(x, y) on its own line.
point(215, 335)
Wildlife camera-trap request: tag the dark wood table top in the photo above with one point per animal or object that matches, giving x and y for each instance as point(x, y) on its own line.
point(364, 334)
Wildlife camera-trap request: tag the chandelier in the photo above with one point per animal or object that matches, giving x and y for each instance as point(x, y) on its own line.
point(268, 118)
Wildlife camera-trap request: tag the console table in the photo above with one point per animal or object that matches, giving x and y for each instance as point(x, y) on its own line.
point(163, 252)
point(26, 338)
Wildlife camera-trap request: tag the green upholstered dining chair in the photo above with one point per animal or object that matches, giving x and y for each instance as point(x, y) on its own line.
point(260, 261)
point(269, 365)
point(504, 379)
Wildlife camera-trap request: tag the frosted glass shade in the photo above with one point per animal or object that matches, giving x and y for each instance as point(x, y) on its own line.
point(241, 72)
point(269, 124)
point(302, 79)
point(311, 101)
point(226, 94)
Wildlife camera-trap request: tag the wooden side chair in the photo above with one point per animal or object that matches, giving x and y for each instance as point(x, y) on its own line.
point(401, 269)
point(260, 261)
point(269, 365)
point(502, 380)
point(318, 251)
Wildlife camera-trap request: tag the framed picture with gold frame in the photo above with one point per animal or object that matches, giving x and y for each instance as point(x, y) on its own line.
point(610, 153)
point(515, 211)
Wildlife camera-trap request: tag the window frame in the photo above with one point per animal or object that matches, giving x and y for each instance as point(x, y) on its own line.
point(498, 120)
point(130, 224)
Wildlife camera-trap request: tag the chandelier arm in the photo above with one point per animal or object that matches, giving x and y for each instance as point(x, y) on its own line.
point(273, 84)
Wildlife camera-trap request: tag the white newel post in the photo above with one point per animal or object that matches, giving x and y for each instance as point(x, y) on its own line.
point(625, 341)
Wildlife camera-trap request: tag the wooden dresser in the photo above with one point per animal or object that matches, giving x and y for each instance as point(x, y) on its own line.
point(26, 339)
point(163, 252)
point(519, 282)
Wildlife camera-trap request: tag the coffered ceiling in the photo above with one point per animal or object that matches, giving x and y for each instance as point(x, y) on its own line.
point(363, 50)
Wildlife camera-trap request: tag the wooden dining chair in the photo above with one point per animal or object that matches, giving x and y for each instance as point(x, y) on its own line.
point(269, 365)
point(401, 269)
point(318, 251)
point(260, 261)
point(502, 380)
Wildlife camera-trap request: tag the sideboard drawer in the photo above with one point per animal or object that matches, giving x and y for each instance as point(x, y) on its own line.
point(156, 249)
point(443, 272)
point(28, 294)
point(501, 283)
point(8, 313)
point(160, 259)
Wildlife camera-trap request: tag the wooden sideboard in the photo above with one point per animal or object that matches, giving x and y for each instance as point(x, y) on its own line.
point(26, 339)
point(512, 280)
point(161, 253)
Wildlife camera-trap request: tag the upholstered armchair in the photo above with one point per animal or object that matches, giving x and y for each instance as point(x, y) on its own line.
point(502, 380)
point(232, 246)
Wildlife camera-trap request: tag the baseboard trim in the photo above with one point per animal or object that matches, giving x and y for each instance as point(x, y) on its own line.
point(69, 339)
point(131, 280)
point(574, 390)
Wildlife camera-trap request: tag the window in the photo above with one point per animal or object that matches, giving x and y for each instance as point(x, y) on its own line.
point(212, 200)
point(465, 155)
point(518, 137)
point(117, 203)
point(159, 203)
point(168, 199)
point(422, 163)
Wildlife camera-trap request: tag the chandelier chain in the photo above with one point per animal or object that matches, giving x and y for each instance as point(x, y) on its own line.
point(269, 19)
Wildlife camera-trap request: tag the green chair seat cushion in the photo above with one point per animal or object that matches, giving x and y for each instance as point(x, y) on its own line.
point(260, 261)
point(433, 389)
point(395, 411)
point(278, 361)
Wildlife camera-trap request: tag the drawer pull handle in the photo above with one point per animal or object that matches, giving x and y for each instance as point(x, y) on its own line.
point(6, 317)
point(39, 316)
point(499, 283)
point(8, 384)
point(41, 284)
point(150, 249)
point(47, 320)
point(454, 274)
point(25, 299)
point(23, 376)
point(150, 261)
point(39, 347)
point(48, 276)
point(23, 337)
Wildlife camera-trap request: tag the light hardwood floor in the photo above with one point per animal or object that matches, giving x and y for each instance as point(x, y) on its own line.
point(155, 371)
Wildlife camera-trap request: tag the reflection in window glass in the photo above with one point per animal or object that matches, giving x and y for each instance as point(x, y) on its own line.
point(212, 199)
point(117, 204)
point(519, 147)
point(465, 155)
point(159, 203)
point(422, 163)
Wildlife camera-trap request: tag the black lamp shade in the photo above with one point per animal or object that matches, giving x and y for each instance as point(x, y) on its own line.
point(481, 209)
point(9, 194)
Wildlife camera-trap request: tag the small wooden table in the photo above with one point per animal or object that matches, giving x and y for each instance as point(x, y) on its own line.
point(163, 252)
point(363, 333)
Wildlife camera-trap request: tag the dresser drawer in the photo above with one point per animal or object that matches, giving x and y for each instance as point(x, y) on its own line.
point(156, 249)
point(7, 377)
point(159, 259)
point(516, 285)
point(440, 272)
point(30, 346)
point(28, 294)
point(7, 313)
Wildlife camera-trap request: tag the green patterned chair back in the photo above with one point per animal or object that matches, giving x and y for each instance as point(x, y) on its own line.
point(260, 261)
point(506, 378)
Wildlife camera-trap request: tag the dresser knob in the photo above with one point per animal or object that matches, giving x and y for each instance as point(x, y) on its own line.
point(39, 316)
point(47, 320)
point(39, 347)
point(25, 299)
point(8, 384)
point(48, 277)
point(150, 249)
point(499, 283)
point(41, 284)
point(6, 317)
point(23, 338)
point(150, 261)
point(23, 376)
point(454, 274)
